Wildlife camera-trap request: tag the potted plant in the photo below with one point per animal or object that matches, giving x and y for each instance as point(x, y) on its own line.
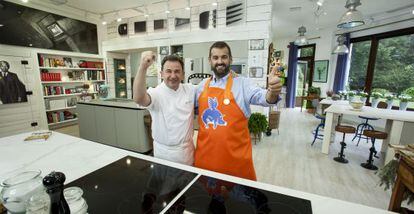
point(342, 95)
point(390, 98)
point(404, 99)
point(329, 94)
point(363, 96)
point(351, 95)
point(375, 98)
point(257, 125)
point(313, 93)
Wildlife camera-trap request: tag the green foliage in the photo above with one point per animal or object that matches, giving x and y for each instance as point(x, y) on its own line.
point(257, 123)
point(394, 67)
point(314, 90)
point(387, 177)
point(409, 91)
point(380, 90)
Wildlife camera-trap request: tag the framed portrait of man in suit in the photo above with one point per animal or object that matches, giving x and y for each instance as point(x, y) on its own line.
point(12, 90)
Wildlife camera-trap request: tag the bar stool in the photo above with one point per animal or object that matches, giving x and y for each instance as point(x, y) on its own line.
point(321, 125)
point(372, 152)
point(363, 126)
point(344, 130)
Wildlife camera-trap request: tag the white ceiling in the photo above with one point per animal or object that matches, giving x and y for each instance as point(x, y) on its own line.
point(285, 23)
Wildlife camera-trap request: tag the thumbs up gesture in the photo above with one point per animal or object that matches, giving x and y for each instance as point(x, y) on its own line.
point(275, 86)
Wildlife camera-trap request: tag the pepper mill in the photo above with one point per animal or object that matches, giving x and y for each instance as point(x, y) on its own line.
point(54, 187)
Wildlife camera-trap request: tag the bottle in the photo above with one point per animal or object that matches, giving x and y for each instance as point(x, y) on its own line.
point(54, 187)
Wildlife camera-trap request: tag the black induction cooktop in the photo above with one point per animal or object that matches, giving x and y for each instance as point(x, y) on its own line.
point(132, 185)
point(210, 195)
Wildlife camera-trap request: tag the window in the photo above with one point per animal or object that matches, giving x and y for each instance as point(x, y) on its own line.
point(306, 51)
point(384, 63)
point(359, 64)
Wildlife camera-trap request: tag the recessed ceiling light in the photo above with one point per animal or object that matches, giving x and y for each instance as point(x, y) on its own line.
point(119, 20)
point(214, 3)
point(413, 12)
point(320, 2)
point(167, 11)
point(104, 23)
point(25, 1)
point(187, 8)
point(30, 44)
point(1, 25)
point(146, 15)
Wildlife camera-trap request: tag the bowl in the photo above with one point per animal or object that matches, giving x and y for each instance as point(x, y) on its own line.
point(357, 105)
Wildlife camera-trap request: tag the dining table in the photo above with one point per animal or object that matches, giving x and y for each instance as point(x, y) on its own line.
point(395, 120)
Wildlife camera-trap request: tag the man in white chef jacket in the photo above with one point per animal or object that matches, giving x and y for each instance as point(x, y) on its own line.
point(171, 105)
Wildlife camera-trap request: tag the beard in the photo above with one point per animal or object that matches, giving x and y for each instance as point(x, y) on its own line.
point(221, 73)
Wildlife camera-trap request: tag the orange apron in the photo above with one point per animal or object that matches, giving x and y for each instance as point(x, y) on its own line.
point(223, 143)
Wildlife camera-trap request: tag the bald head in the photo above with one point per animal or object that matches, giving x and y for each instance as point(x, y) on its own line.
point(4, 66)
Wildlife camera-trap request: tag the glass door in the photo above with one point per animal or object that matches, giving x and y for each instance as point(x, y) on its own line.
point(301, 78)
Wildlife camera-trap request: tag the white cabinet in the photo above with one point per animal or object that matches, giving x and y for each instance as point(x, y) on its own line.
point(115, 126)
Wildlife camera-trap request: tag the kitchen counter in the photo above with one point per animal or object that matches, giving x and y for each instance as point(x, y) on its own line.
point(114, 122)
point(113, 102)
point(78, 157)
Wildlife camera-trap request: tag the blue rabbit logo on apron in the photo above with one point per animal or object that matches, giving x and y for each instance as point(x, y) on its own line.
point(212, 115)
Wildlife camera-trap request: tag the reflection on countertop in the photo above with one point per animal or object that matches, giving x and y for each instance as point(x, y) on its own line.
point(113, 102)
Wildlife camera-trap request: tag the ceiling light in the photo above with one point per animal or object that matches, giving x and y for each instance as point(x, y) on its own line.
point(1, 25)
point(25, 1)
point(104, 23)
point(214, 3)
point(352, 17)
point(119, 19)
point(413, 12)
point(320, 2)
point(301, 39)
point(167, 11)
point(341, 48)
point(187, 8)
point(146, 15)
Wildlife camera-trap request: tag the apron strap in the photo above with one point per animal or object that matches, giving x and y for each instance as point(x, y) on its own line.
point(227, 91)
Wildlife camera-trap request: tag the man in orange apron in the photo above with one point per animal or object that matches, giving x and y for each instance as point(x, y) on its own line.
point(223, 143)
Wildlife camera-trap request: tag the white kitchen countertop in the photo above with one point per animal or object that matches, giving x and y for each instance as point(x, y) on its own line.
point(115, 102)
point(77, 157)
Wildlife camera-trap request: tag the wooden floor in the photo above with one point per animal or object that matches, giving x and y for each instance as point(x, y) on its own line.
point(290, 161)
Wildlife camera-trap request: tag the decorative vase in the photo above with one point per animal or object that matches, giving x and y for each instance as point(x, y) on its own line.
point(363, 99)
point(18, 189)
point(375, 102)
point(403, 106)
point(389, 104)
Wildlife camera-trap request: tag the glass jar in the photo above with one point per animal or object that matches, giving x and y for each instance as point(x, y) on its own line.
point(39, 203)
point(19, 188)
point(77, 204)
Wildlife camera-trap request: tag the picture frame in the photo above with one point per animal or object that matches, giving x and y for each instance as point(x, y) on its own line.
point(164, 50)
point(256, 72)
point(321, 69)
point(256, 44)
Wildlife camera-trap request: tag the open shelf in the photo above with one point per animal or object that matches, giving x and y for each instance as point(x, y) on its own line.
point(66, 68)
point(62, 122)
point(60, 109)
point(68, 82)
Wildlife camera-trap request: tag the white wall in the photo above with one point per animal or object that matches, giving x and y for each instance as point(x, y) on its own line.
point(325, 41)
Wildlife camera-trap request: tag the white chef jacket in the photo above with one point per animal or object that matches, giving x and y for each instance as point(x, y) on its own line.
point(172, 114)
